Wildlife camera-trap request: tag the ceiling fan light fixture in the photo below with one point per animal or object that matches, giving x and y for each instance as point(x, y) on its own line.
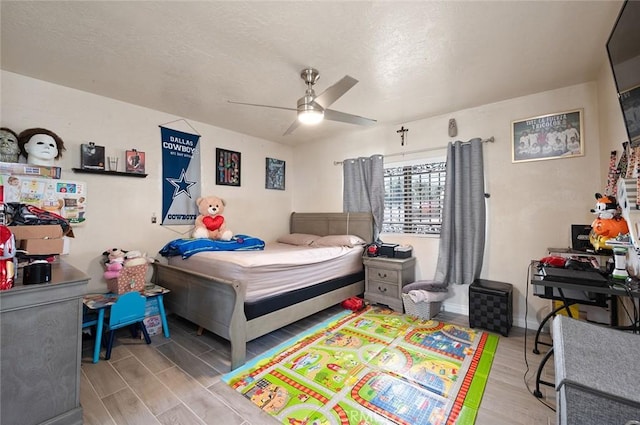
point(310, 116)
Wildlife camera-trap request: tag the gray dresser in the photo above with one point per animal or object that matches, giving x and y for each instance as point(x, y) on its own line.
point(385, 277)
point(40, 350)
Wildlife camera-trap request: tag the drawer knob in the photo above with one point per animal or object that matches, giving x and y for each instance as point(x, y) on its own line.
point(382, 275)
point(382, 289)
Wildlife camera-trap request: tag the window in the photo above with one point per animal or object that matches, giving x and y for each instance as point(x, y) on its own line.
point(413, 198)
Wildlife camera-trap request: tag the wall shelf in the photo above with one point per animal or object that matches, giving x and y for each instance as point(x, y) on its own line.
point(111, 173)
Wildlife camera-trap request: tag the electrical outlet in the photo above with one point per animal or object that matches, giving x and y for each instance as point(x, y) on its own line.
point(153, 219)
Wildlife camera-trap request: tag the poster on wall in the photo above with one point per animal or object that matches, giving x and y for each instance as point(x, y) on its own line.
point(552, 136)
point(274, 174)
point(65, 198)
point(134, 161)
point(228, 164)
point(180, 176)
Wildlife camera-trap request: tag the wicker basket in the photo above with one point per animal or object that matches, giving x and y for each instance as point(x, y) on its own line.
point(423, 310)
point(130, 279)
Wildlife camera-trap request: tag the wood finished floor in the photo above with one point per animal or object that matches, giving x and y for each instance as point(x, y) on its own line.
point(177, 380)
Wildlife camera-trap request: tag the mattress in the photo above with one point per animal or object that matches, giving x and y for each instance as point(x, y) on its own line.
point(279, 268)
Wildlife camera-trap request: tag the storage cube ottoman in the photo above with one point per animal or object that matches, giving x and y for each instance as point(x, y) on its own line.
point(491, 305)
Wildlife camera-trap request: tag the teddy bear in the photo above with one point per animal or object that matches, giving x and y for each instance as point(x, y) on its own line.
point(210, 222)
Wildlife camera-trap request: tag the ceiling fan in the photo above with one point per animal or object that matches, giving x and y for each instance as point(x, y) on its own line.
point(312, 109)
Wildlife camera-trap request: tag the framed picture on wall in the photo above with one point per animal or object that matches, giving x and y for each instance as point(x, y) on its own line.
point(228, 167)
point(552, 136)
point(134, 161)
point(630, 103)
point(274, 174)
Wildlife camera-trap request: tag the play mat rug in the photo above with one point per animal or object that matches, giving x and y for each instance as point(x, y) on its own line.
point(369, 368)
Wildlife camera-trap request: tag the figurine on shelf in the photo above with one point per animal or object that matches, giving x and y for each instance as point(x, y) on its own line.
point(40, 146)
point(9, 148)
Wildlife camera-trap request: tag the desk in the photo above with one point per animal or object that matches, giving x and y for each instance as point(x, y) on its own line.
point(100, 302)
point(567, 293)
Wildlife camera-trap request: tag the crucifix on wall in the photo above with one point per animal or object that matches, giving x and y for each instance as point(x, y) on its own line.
point(401, 132)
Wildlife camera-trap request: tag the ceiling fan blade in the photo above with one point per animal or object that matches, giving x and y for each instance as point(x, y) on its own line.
point(292, 127)
point(333, 93)
point(332, 115)
point(262, 106)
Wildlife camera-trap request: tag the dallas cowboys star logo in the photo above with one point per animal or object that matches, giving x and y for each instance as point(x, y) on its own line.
point(181, 185)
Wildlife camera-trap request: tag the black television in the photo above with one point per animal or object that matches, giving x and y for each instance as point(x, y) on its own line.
point(623, 48)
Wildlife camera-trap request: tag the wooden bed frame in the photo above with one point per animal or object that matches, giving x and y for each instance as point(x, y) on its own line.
point(218, 305)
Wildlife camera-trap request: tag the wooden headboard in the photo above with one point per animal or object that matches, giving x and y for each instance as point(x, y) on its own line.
point(323, 224)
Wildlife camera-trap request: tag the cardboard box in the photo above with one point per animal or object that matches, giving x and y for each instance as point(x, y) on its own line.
point(42, 246)
point(45, 231)
point(39, 240)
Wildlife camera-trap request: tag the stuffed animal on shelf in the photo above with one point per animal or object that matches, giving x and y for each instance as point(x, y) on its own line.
point(608, 224)
point(210, 222)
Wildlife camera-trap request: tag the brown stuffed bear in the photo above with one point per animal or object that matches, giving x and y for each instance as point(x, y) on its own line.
point(210, 222)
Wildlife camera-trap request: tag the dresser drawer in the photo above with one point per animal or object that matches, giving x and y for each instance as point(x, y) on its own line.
point(383, 275)
point(379, 288)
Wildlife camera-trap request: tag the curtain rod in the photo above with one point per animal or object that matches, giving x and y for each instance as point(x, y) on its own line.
point(489, 140)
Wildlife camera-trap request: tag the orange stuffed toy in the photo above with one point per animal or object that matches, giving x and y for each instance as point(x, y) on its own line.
point(608, 224)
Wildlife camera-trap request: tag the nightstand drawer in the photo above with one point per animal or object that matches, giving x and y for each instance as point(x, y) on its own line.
point(379, 288)
point(383, 275)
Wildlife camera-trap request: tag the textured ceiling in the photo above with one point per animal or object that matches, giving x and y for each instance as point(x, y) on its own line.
point(413, 60)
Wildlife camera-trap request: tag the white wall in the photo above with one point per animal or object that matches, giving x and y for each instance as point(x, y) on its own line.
point(531, 207)
point(119, 209)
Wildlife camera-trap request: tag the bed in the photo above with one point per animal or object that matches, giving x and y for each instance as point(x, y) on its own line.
point(220, 305)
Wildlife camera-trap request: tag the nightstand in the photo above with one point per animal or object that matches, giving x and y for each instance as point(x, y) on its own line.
point(385, 277)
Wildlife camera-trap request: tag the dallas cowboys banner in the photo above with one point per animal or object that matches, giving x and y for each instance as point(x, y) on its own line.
point(180, 176)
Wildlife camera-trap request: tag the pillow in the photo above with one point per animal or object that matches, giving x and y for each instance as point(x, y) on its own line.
point(302, 239)
point(339, 240)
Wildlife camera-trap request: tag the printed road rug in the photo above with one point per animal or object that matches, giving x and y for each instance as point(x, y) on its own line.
point(372, 367)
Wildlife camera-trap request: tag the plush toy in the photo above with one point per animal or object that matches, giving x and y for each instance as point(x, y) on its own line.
point(210, 222)
point(136, 258)
point(114, 255)
point(112, 270)
point(114, 261)
point(608, 223)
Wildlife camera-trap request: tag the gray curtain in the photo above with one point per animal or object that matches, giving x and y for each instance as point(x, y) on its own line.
point(462, 236)
point(364, 188)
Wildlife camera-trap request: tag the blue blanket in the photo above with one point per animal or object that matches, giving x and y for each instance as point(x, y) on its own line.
point(188, 247)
